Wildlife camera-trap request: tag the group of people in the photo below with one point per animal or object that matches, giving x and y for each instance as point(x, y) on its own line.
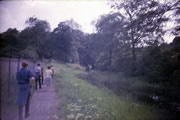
point(25, 79)
point(40, 77)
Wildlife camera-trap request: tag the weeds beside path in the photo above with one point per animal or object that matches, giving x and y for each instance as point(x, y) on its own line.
point(80, 100)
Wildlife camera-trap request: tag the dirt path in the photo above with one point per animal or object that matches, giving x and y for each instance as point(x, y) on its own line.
point(43, 105)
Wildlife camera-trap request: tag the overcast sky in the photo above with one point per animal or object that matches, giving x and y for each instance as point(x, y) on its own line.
point(14, 13)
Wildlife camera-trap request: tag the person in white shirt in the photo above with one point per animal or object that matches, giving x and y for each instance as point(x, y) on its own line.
point(48, 76)
point(52, 68)
point(37, 75)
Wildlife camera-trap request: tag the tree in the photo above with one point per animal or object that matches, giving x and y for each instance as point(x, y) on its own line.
point(88, 50)
point(72, 24)
point(78, 39)
point(36, 34)
point(108, 27)
point(175, 7)
point(61, 39)
point(9, 43)
point(144, 23)
point(67, 39)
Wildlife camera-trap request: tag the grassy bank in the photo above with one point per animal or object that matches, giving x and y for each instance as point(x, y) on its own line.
point(80, 100)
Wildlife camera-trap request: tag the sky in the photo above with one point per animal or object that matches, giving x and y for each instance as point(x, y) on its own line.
point(13, 14)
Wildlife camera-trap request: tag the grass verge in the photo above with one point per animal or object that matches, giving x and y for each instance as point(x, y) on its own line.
point(80, 100)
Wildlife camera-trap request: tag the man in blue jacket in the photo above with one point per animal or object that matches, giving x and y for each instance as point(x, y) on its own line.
point(24, 79)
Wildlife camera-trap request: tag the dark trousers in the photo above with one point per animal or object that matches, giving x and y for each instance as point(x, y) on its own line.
point(42, 79)
point(38, 80)
point(20, 107)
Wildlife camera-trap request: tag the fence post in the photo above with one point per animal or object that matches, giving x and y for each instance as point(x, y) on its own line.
point(9, 76)
point(18, 67)
point(18, 64)
point(0, 88)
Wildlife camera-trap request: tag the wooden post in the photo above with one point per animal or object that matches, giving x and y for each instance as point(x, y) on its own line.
point(18, 67)
point(18, 64)
point(9, 76)
point(0, 88)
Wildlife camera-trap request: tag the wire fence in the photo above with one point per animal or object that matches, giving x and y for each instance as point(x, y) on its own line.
point(8, 69)
point(8, 85)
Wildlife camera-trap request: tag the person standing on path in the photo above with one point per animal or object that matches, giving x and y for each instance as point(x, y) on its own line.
point(24, 79)
point(52, 68)
point(42, 75)
point(48, 76)
point(38, 75)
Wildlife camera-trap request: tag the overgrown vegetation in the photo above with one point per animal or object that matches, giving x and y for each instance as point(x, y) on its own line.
point(83, 101)
point(128, 41)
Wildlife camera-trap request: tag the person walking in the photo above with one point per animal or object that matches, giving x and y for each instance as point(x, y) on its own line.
point(53, 72)
point(38, 75)
point(24, 79)
point(42, 75)
point(48, 76)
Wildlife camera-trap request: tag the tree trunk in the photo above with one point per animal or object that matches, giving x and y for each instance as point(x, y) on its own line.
point(133, 60)
point(110, 57)
point(9, 76)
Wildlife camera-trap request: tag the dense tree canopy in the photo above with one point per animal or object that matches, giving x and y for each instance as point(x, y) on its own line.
point(129, 40)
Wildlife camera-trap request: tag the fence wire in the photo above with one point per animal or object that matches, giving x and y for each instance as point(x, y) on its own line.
point(8, 69)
